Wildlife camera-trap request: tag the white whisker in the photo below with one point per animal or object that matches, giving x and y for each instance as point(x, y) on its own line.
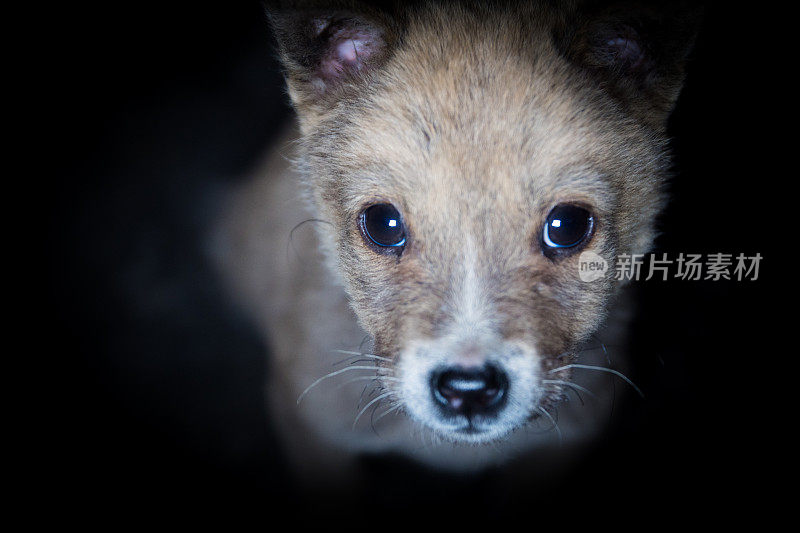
point(366, 378)
point(377, 399)
point(392, 409)
point(555, 425)
point(330, 375)
point(361, 354)
point(601, 369)
point(570, 385)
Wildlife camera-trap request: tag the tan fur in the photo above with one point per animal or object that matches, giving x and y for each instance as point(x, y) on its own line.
point(474, 126)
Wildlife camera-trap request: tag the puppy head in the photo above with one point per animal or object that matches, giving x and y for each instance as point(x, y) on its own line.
point(465, 157)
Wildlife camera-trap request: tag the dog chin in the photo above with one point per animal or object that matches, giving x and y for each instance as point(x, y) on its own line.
point(471, 433)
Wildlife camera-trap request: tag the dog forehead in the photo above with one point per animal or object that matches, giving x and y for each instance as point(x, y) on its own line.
point(437, 140)
point(465, 114)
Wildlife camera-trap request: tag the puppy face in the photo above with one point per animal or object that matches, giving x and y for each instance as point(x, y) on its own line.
point(465, 157)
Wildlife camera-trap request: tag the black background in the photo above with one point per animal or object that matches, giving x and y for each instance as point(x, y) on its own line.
point(160, 380)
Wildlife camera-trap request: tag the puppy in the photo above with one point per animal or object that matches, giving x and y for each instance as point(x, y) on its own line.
point(412, 249)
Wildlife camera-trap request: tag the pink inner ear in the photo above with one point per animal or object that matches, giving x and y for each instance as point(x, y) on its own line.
point(348, 50)
point(626, 51)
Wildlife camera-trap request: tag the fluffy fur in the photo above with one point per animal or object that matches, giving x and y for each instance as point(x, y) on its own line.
point(474, 120)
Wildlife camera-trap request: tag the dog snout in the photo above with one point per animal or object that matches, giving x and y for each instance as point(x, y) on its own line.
point(470, 391)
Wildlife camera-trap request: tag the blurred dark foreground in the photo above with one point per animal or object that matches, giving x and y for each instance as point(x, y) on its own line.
point(162, 409)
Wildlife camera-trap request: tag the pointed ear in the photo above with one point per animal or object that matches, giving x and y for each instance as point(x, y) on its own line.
point(328, 51)
point(638, 51)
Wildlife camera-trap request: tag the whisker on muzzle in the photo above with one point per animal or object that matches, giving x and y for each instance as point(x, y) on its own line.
point(570, 385)
point(331, 375)
point(555, 424)
point(374, 400)
point(366, 378)
point(362, 354)
point(601, 369)
point(390, 410)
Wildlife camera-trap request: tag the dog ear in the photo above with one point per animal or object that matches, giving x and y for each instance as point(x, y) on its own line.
point(638, 51)
point(328, 51)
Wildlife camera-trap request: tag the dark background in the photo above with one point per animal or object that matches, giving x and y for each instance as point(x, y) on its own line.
point(160, 380)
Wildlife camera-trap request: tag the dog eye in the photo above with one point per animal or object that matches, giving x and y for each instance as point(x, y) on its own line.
point(382, 225)
point(567, 226)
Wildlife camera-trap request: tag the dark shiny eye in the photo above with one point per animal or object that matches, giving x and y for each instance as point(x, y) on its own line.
point(567, 227)
point(383, 226)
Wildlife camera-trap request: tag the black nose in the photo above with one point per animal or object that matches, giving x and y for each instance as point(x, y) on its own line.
point(470, 391)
